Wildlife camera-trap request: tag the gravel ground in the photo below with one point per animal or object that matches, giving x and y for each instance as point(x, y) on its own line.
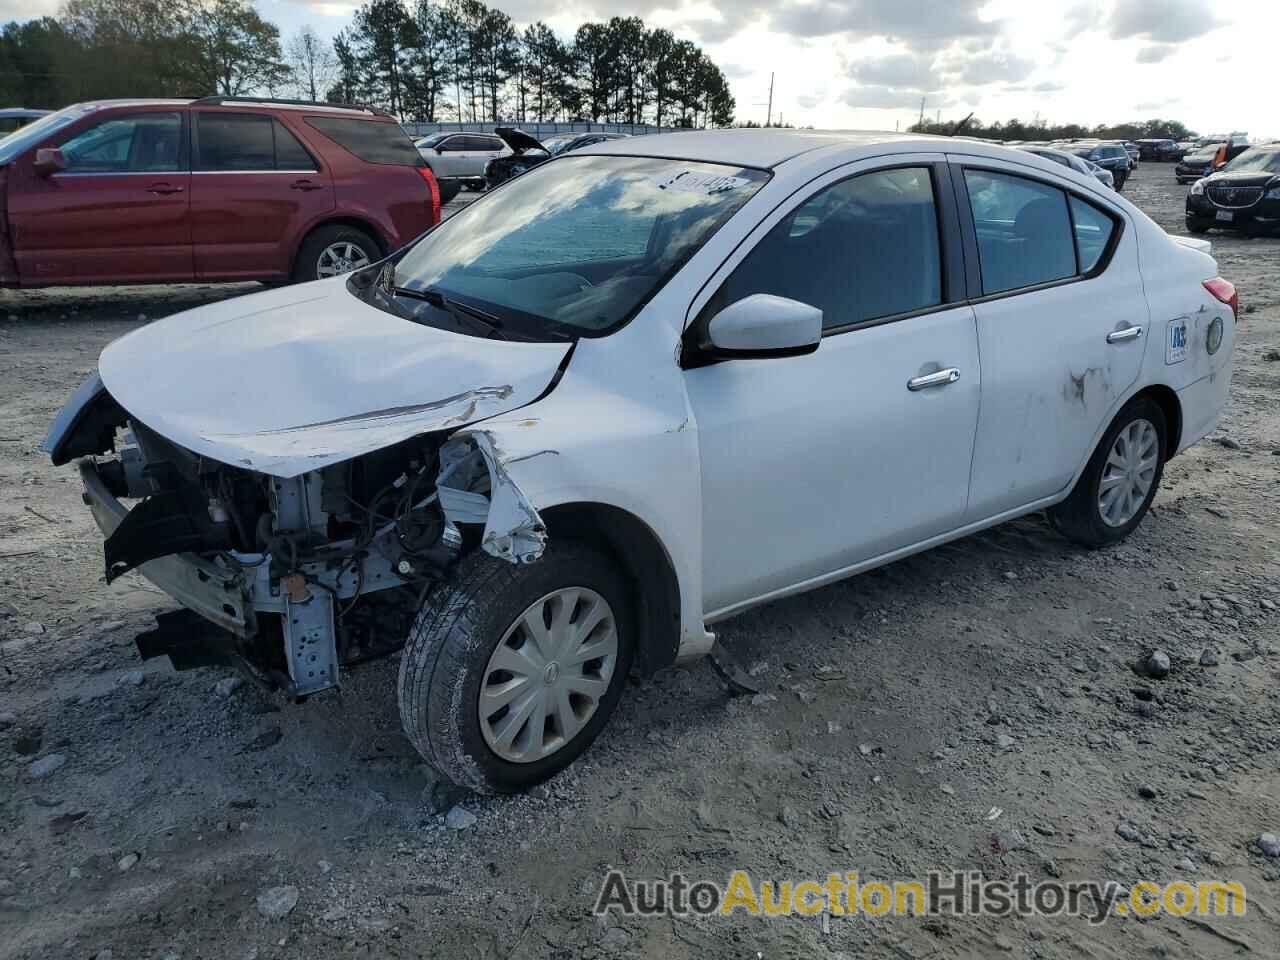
point(152, 814)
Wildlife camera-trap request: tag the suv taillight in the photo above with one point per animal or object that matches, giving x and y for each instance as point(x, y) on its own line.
point(434, 187)
point(1224, 291)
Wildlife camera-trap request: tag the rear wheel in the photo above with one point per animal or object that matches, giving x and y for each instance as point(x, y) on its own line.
point(1117, 487)
point(510, 672)
point(449, 189)
point(332, 250)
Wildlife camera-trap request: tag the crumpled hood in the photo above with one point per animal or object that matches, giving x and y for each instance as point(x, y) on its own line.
point(518, 140)
point(292, 380)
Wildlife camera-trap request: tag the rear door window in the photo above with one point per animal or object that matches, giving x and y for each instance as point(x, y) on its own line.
point(860, 249)
point(140, 142)
point(373, 141)
point(247, 142)
point(1024, 231)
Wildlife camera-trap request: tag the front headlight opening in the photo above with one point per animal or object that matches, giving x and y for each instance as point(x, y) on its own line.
point(1197, 188)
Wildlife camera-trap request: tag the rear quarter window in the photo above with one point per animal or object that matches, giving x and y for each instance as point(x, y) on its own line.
point(373, 141)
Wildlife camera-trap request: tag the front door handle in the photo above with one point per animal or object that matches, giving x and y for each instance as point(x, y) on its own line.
point(1120, 336)
point(163, 189)
point(939, 379)
point(305, 185)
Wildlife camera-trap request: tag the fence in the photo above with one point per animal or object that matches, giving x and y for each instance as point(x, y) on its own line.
point(536, 128)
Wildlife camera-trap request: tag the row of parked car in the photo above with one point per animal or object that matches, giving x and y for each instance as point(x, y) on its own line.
point(1110, 162)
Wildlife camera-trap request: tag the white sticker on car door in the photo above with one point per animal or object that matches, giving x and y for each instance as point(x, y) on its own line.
point(1175, 341)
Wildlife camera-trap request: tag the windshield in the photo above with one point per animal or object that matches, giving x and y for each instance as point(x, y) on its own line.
point(573, 248)
point(1255, 161)
point(17, 142)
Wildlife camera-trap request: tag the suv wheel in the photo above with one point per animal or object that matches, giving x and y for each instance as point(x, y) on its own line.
point(448, 189)
point(1198, 225)
point(510, 672)
point(332, 250)
point(1117, 487)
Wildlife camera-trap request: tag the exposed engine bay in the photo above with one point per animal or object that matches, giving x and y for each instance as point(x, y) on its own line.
point(292, 576)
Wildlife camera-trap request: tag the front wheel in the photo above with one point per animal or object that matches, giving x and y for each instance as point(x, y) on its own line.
point(1197, 225)
point(1118, 484)
point(510, 672)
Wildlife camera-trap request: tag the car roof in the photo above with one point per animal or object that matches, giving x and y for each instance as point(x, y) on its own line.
point(766, 149)
point(8, 113)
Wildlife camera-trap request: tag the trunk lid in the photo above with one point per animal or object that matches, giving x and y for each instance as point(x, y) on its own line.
point(288, 381)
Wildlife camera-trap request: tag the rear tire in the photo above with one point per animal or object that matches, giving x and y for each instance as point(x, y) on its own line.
point(448, 189)
point(451, 661)
point(328, 249)
point(1091, 519)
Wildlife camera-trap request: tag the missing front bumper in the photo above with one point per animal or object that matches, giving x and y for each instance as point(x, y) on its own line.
point(219, 595)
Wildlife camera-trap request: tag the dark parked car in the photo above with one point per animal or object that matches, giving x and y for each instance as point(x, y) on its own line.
point(221, 188)
point(1244, 195)
point(15, 118)
point(1109, 156)
point(1165, 151)
point(1198, 164)
point(528, 151)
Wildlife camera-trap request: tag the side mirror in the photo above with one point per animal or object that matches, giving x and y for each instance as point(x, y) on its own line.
point(49, 160)
point(763, 325)
point(438, 149)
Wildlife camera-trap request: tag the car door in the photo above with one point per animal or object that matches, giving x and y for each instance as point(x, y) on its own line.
point(451, 159)
point(118, 212)
point(813, 464)
point(255, 189)
point(1062, 322)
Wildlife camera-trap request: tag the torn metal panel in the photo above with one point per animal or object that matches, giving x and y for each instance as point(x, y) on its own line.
point(285, 384)
point(513, 530)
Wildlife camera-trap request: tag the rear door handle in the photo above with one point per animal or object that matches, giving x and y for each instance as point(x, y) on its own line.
point(1120, 336)
point(163, 188)
point(939, 379)
point(305, 185)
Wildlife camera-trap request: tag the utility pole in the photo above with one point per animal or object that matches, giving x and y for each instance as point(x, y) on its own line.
point(921, 124)
point(768, 117)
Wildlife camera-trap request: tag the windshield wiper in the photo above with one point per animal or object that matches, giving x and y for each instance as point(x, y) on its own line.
point(437, 299)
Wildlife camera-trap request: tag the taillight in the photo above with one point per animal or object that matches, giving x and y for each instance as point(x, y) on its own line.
point(434, 187)
point(1224, 291)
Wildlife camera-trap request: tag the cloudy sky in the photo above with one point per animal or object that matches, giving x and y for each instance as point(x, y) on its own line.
point(868, 63)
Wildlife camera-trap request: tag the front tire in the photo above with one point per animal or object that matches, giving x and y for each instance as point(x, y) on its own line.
point(1117, 487)
point(492, 702)
point(1197, 225)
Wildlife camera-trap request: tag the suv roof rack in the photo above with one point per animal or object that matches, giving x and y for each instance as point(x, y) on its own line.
point(280, 102)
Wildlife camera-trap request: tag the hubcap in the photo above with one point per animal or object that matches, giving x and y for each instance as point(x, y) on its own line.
point(547, 676)
point(1128, 474)
point(341, 257)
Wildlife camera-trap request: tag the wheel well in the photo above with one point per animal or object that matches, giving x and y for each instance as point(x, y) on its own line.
point(642, 557)
point(356, 222)
point(1172, 410)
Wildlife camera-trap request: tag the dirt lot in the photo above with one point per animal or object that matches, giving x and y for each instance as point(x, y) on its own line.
point(907, 707)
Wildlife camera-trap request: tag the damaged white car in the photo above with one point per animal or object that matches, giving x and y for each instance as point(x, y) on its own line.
point(638, 390)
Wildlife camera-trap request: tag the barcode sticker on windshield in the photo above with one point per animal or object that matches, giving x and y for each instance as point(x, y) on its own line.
point(705, 183)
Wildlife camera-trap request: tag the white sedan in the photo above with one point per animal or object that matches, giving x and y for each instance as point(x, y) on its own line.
point(643, 388)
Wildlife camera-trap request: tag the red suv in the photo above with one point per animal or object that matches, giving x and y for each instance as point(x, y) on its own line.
point(222, 188)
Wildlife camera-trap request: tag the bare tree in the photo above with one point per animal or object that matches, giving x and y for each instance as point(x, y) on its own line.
point(312, 62)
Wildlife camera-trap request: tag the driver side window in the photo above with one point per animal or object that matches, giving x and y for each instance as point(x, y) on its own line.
point(135, 143)
point(861, 249)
